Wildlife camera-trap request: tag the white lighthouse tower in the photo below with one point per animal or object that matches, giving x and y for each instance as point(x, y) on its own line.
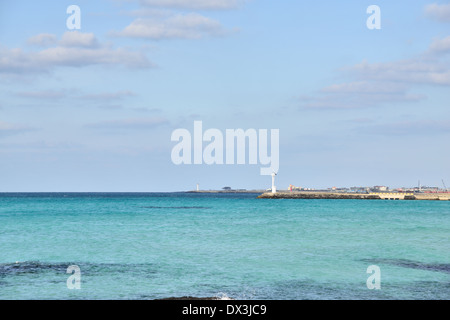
point(274, 189)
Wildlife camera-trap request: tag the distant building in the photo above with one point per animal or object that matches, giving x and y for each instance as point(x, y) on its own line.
point(429, 189)
point(226, 188)
point(380, 188)
point(360, 189)
point(336, 189)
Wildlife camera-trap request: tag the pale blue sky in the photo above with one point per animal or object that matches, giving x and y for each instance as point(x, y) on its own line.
point(94, 110)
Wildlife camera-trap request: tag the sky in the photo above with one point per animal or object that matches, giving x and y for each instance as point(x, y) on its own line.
point(93, 109)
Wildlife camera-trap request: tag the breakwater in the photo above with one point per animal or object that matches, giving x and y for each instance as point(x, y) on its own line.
point(363, 196)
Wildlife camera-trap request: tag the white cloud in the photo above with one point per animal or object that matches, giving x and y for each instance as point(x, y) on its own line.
point(78, 57)
point(194, 4)
point(78, 39)
point(440, 46)
point(181, 26)
point(439, 12)
point(43, 39)
point(430, 68)
point(68, 39)
point(407, 71)
point(74, 50)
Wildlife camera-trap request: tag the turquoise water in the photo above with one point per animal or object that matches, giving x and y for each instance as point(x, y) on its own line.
point(149, 246)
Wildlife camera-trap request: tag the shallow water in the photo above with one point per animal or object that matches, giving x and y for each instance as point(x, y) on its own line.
point(150, 246)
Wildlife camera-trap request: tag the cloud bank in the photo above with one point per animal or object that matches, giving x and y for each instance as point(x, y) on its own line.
point(377, 83)
point(74, 49)
point(178, 26)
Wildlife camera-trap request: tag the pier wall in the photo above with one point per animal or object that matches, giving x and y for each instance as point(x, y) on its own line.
point(363, 196)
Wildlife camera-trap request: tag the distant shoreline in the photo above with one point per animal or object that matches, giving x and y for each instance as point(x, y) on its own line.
point(226, 191)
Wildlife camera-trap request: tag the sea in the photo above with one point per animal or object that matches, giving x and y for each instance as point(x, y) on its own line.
point(225, 245)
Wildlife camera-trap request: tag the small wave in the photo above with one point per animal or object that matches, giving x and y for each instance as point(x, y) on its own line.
point(223, 296)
